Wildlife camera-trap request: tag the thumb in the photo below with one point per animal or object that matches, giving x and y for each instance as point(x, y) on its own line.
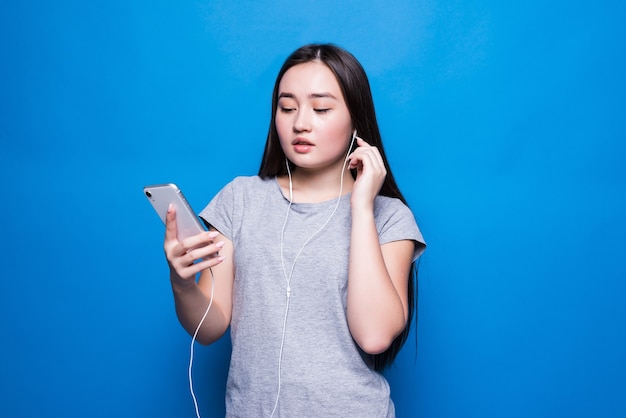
point(170, 223)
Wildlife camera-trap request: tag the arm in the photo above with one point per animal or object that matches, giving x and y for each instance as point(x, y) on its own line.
point(378, 275)
point(377, 287)
point(191, 298)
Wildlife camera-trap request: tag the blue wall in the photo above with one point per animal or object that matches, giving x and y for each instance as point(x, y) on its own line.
point(506, 127)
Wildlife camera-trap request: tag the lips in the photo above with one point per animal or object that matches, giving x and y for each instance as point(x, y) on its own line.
point(301, 141)
point(301, 145)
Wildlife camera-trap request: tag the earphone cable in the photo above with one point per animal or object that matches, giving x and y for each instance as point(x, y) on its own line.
point(288, 278)
point(193, 340)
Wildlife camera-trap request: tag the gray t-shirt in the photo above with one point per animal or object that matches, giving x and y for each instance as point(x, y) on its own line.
point(322, 371)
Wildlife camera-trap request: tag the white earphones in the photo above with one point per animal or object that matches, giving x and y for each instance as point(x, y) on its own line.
point(282, 258)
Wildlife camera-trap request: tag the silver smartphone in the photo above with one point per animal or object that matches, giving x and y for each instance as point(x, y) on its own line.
point(161, 196)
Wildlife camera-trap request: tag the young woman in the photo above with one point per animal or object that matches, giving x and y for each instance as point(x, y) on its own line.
point(311, 260)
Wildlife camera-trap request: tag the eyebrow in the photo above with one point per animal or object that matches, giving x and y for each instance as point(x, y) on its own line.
point(311, 96)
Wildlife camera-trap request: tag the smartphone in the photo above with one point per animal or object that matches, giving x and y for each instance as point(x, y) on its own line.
point(161, 196)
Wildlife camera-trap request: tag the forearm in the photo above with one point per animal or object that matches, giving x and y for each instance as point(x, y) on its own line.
point(191, 304)
point(376, 312)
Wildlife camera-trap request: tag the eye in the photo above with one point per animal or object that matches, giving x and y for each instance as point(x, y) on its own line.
point(285, 109)
point(322, 110)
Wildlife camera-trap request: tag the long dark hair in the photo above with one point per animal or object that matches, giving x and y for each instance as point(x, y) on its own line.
point(358, 96)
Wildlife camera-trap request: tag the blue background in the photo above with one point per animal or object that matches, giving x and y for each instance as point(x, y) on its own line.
point(505, 124)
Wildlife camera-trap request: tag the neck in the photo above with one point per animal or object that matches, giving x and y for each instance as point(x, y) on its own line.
point(314, 186)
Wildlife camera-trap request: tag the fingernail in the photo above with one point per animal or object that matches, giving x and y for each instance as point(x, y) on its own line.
point(219, 244)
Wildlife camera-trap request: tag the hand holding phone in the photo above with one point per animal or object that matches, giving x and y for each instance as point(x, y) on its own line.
point(161, 196)
point(185, 259)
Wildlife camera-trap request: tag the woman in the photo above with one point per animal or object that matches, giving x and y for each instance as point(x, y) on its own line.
point(311, 260)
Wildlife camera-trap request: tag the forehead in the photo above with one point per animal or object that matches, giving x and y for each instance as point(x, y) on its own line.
point(310, 78)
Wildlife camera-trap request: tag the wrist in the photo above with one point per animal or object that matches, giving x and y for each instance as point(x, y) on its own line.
point(362, 209)
point(180, 284)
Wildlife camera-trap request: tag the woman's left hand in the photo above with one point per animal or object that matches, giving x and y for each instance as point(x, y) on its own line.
point(370, 174)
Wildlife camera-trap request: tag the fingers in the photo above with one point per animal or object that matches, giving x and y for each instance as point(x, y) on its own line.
point(361, 142)
point(193, 248)
point(193, 261)
point(200, 251)
point(192, 255)
point(370, 174)
point(367, 156)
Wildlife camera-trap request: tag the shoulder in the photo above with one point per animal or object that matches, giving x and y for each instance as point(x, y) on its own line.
point(395, 221)
point(238, 198)
point(248, 185)
point(249, 191)
point(252, 183)
point(390, 211)
point(247, 181)
point(385, 206)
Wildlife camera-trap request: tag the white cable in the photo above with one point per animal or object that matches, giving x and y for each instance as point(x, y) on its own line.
point(282, 258)
point(193, 340)
point(288, 278)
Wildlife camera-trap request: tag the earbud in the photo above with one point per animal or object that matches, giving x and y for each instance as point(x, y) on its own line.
point(351, 143)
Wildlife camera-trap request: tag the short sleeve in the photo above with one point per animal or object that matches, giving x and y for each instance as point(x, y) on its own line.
point(395, 222)
point(219, 213)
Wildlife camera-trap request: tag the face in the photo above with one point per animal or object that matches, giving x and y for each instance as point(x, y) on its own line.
point(312, 118)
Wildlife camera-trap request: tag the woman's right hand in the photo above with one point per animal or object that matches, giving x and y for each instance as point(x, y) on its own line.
point(192, 255)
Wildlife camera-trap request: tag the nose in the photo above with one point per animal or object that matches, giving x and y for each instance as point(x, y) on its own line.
point(302, 122)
